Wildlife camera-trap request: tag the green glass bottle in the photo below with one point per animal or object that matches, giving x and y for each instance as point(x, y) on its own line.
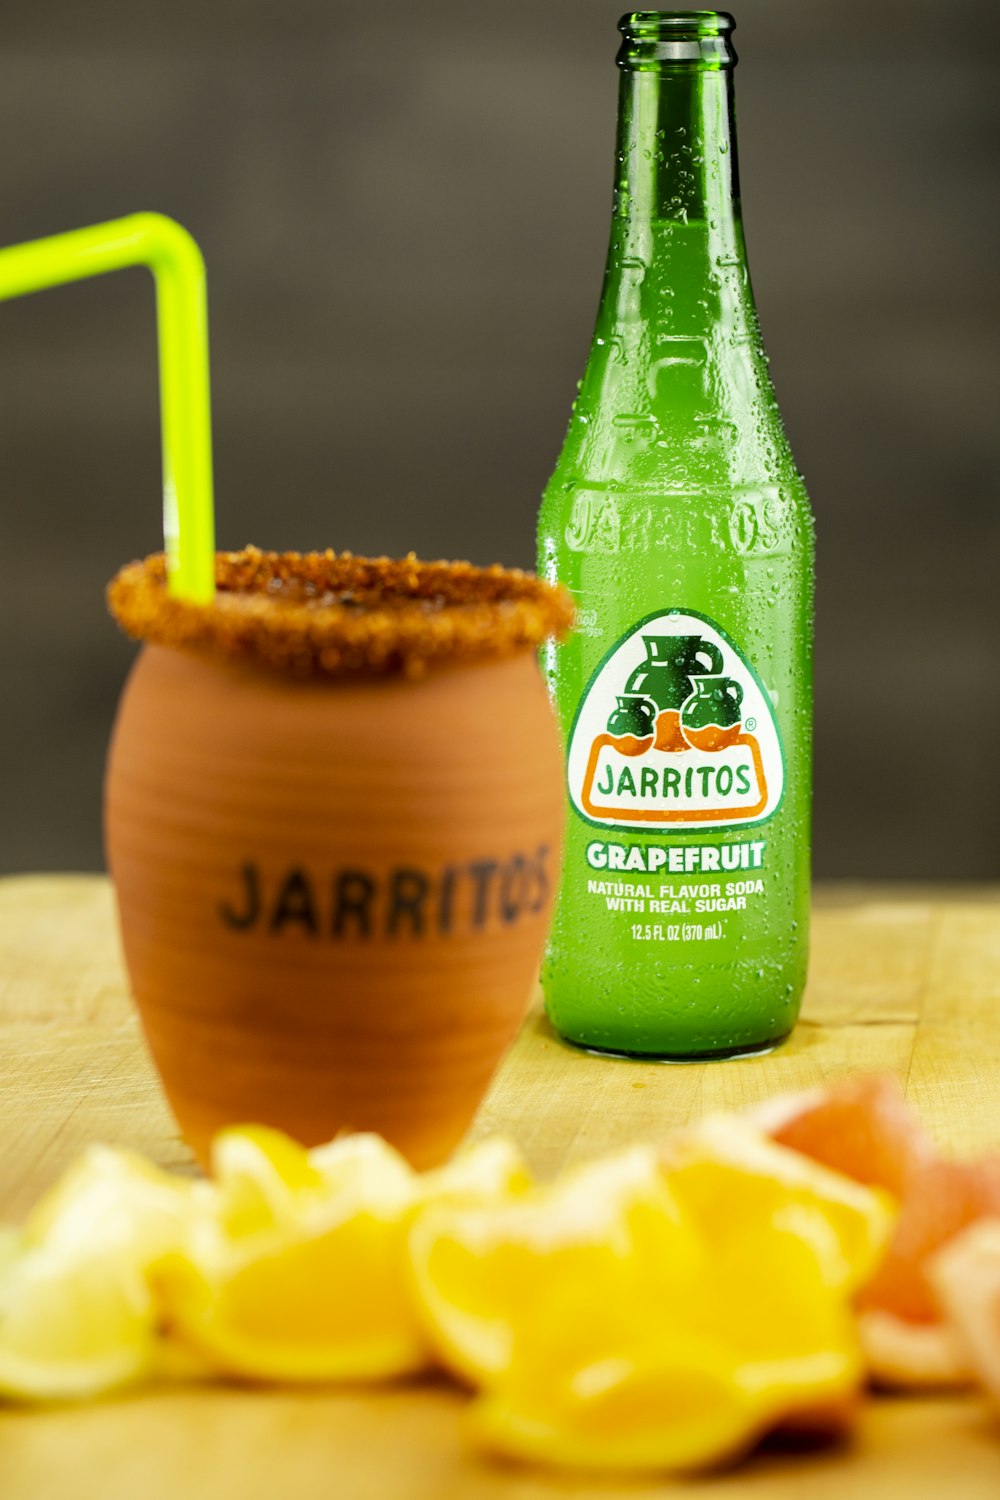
point(677, 519)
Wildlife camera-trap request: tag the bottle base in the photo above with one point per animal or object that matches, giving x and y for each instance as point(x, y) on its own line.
point(714, 1054)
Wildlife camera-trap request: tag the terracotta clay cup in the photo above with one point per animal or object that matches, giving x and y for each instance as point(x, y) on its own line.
point(333, 817)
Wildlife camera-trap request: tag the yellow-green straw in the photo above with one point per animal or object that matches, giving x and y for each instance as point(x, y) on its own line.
point(182, 319)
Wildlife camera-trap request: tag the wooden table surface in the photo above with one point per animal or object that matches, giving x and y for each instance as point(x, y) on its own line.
point(902, 979)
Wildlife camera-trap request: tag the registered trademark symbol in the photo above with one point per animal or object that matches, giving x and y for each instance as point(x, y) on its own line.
point(751, 724)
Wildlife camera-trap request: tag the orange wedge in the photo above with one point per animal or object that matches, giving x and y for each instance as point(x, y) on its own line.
point(548, 1267)
point(653, 1310)
point(306, 1275)
point(732, 1181)
point(652, 1410)
point(302, 1277)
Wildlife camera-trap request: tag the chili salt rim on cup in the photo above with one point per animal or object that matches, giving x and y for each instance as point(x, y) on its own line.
point(328, 613)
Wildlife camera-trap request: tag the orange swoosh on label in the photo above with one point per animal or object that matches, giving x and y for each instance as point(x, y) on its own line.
point(627, 744)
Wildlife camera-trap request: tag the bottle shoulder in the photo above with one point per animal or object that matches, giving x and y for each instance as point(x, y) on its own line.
point(676, 385)
point(716, 466)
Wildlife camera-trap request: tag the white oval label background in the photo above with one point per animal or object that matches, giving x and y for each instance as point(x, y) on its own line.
point(675, 732)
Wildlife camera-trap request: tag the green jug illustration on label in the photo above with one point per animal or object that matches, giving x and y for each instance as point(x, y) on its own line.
point(715, 701)
point(632, 715)
point(679, 522)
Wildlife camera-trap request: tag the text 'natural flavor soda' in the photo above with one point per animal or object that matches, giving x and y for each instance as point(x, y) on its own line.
point(677, 519)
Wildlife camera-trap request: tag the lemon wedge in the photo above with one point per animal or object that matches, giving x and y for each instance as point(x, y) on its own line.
point(114, 1204)
point(73, 1328)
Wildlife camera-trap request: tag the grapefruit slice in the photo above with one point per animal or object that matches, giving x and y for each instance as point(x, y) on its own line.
point(940, 1198)
point(863, 1127)
point(912, 1356)
point(966, 1276)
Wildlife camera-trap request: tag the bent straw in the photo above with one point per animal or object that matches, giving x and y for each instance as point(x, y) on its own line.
point(162, 245)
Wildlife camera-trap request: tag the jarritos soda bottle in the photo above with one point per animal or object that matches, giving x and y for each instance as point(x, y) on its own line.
point(677, 519)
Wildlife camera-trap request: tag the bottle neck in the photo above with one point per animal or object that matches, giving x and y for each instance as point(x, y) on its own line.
point(676, 363)
point(676, 149)
point(677, 285)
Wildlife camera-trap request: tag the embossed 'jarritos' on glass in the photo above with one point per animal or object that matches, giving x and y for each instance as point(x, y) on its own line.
point(678, 521)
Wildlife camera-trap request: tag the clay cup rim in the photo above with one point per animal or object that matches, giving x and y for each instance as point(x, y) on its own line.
point(328, 614)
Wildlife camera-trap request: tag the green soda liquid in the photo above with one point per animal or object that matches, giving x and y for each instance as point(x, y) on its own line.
point(677, 519)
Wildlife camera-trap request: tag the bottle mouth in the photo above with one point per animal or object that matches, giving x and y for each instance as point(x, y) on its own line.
point(654, 38)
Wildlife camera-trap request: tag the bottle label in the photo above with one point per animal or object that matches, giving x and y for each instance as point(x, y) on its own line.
point(675, 731)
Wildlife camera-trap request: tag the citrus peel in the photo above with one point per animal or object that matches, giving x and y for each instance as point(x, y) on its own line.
point(862, 1127)
point(966, 1276)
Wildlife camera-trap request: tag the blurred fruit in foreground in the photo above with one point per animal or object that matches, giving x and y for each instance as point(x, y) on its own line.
point(966, 1276)
point(655, 1409)
point(658, 1309)
point(72, 1328)
point(306, 1276)
point(492, 1280)
point(654, 1310)
point(730, 1179)
point(77, 1315)
point(863, 1127)
point(114, 1204)
point(302, 1279)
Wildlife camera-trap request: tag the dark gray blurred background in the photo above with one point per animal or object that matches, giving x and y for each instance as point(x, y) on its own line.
point(404, 209)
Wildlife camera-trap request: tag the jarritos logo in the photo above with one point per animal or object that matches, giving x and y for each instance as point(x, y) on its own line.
point(675, 729)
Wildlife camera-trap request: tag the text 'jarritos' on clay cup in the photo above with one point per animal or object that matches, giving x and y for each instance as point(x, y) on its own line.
point(334, 811)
